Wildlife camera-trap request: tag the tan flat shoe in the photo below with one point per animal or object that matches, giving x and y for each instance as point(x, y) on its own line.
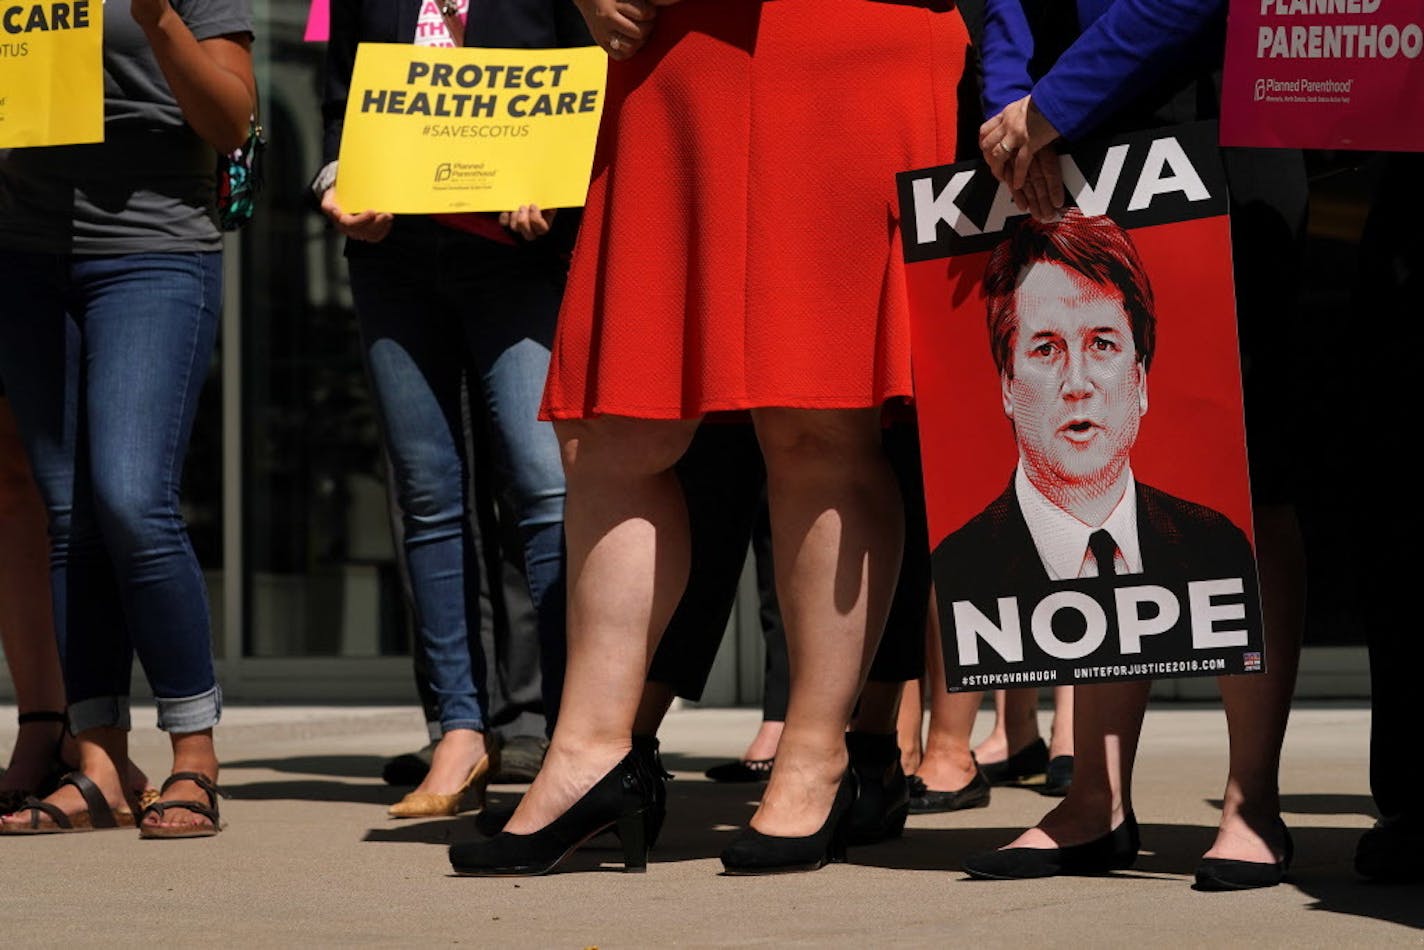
point(433, 805)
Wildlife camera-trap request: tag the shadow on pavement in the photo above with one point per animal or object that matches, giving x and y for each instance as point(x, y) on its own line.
point(1339, 891)
point(312, 790)
point(344, 766)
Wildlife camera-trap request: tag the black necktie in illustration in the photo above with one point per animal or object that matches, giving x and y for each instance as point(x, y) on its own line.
point(1103, 547)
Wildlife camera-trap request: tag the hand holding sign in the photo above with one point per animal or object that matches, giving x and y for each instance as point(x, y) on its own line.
point(529, 222)
point(1010, 140)
point(371, 226)
point(1042, 194)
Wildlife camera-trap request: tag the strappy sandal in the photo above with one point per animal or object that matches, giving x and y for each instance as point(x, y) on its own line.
point(97, 817)
point(160, 808)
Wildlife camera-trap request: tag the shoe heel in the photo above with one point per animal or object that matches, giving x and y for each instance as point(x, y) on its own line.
point(840, 841)
point(653, 824)
point(633, 832)
point(895, 823)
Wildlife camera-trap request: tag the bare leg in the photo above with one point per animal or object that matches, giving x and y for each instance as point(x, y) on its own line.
point(910, 725)
point(625, 524)
point(1107, 725)
point(454, 757)
point(995, 746)
point(27, 620)
point(1060, 740)
point(1257, 707)
point(26, 617)
point(1015, 725)
point(766, 741)
point(948, 764)
point(837, 533)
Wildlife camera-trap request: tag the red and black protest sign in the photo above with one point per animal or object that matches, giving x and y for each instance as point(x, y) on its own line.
point(1079, 394)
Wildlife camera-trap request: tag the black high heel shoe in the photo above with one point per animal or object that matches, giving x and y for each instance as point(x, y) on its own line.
point(881, 807)
point(755, 853)
point(492, 818)
point(655, 778)
point(1114, 851)
point(1228, 874)
point(618, 801)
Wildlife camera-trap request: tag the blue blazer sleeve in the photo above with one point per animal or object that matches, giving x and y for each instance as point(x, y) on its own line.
point(1007, 49)
point(1133, 44)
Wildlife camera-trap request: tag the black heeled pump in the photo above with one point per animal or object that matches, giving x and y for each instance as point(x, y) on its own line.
point(884, 801)
point(1114, 851)
point(1227, 874)
point(655, 778)
point(755, 853)
point(619, 801)
point(492, 819)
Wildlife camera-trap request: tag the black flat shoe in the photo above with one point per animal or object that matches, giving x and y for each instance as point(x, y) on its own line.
point(1058, 777)
point(619, 801)
point(1227, 874)
point(1392, 852)
point(1114, 851)
point(884, 800)
point(743, 770)
point(1030, 761)
point(755, 853)
point(929, 801)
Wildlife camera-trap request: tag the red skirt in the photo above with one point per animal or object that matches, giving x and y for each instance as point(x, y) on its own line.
point(740, 245)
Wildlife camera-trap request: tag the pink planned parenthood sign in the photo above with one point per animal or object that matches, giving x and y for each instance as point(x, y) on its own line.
point(1334, 74)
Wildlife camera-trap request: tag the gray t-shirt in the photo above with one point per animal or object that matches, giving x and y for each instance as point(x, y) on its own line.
point(148, 187)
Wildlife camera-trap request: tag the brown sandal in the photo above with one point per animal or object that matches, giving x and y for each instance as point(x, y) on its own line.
point(98, 817)
point(208, 811)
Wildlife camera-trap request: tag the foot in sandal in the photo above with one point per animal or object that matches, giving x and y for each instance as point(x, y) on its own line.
point(187, 807)
point(79, 804)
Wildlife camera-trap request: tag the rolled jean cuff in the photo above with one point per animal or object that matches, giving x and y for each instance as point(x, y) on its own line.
point(435, 731)
point(192, 713)
point(110, 712)
point(474, 724)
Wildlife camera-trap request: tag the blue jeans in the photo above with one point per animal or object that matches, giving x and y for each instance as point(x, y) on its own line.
point(440, 314)
point(103, 359)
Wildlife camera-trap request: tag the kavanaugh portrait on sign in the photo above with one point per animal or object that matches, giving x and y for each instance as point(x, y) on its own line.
point(1061, 558)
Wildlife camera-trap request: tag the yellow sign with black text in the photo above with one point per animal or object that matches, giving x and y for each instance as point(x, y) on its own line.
point(431, 130)
point(51, 72)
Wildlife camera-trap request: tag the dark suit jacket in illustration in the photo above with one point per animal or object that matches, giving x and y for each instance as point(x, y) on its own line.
point(994, 556)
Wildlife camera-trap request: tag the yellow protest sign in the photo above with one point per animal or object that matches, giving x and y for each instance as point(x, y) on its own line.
point(433, 130)
point(51, 72)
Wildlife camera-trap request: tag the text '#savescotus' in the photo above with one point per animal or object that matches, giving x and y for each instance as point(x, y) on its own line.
point(960, 209)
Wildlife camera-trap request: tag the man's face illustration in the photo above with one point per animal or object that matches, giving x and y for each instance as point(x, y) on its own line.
point(1077, 391)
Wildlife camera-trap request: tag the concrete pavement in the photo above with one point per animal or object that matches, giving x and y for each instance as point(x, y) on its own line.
point(310, 859)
